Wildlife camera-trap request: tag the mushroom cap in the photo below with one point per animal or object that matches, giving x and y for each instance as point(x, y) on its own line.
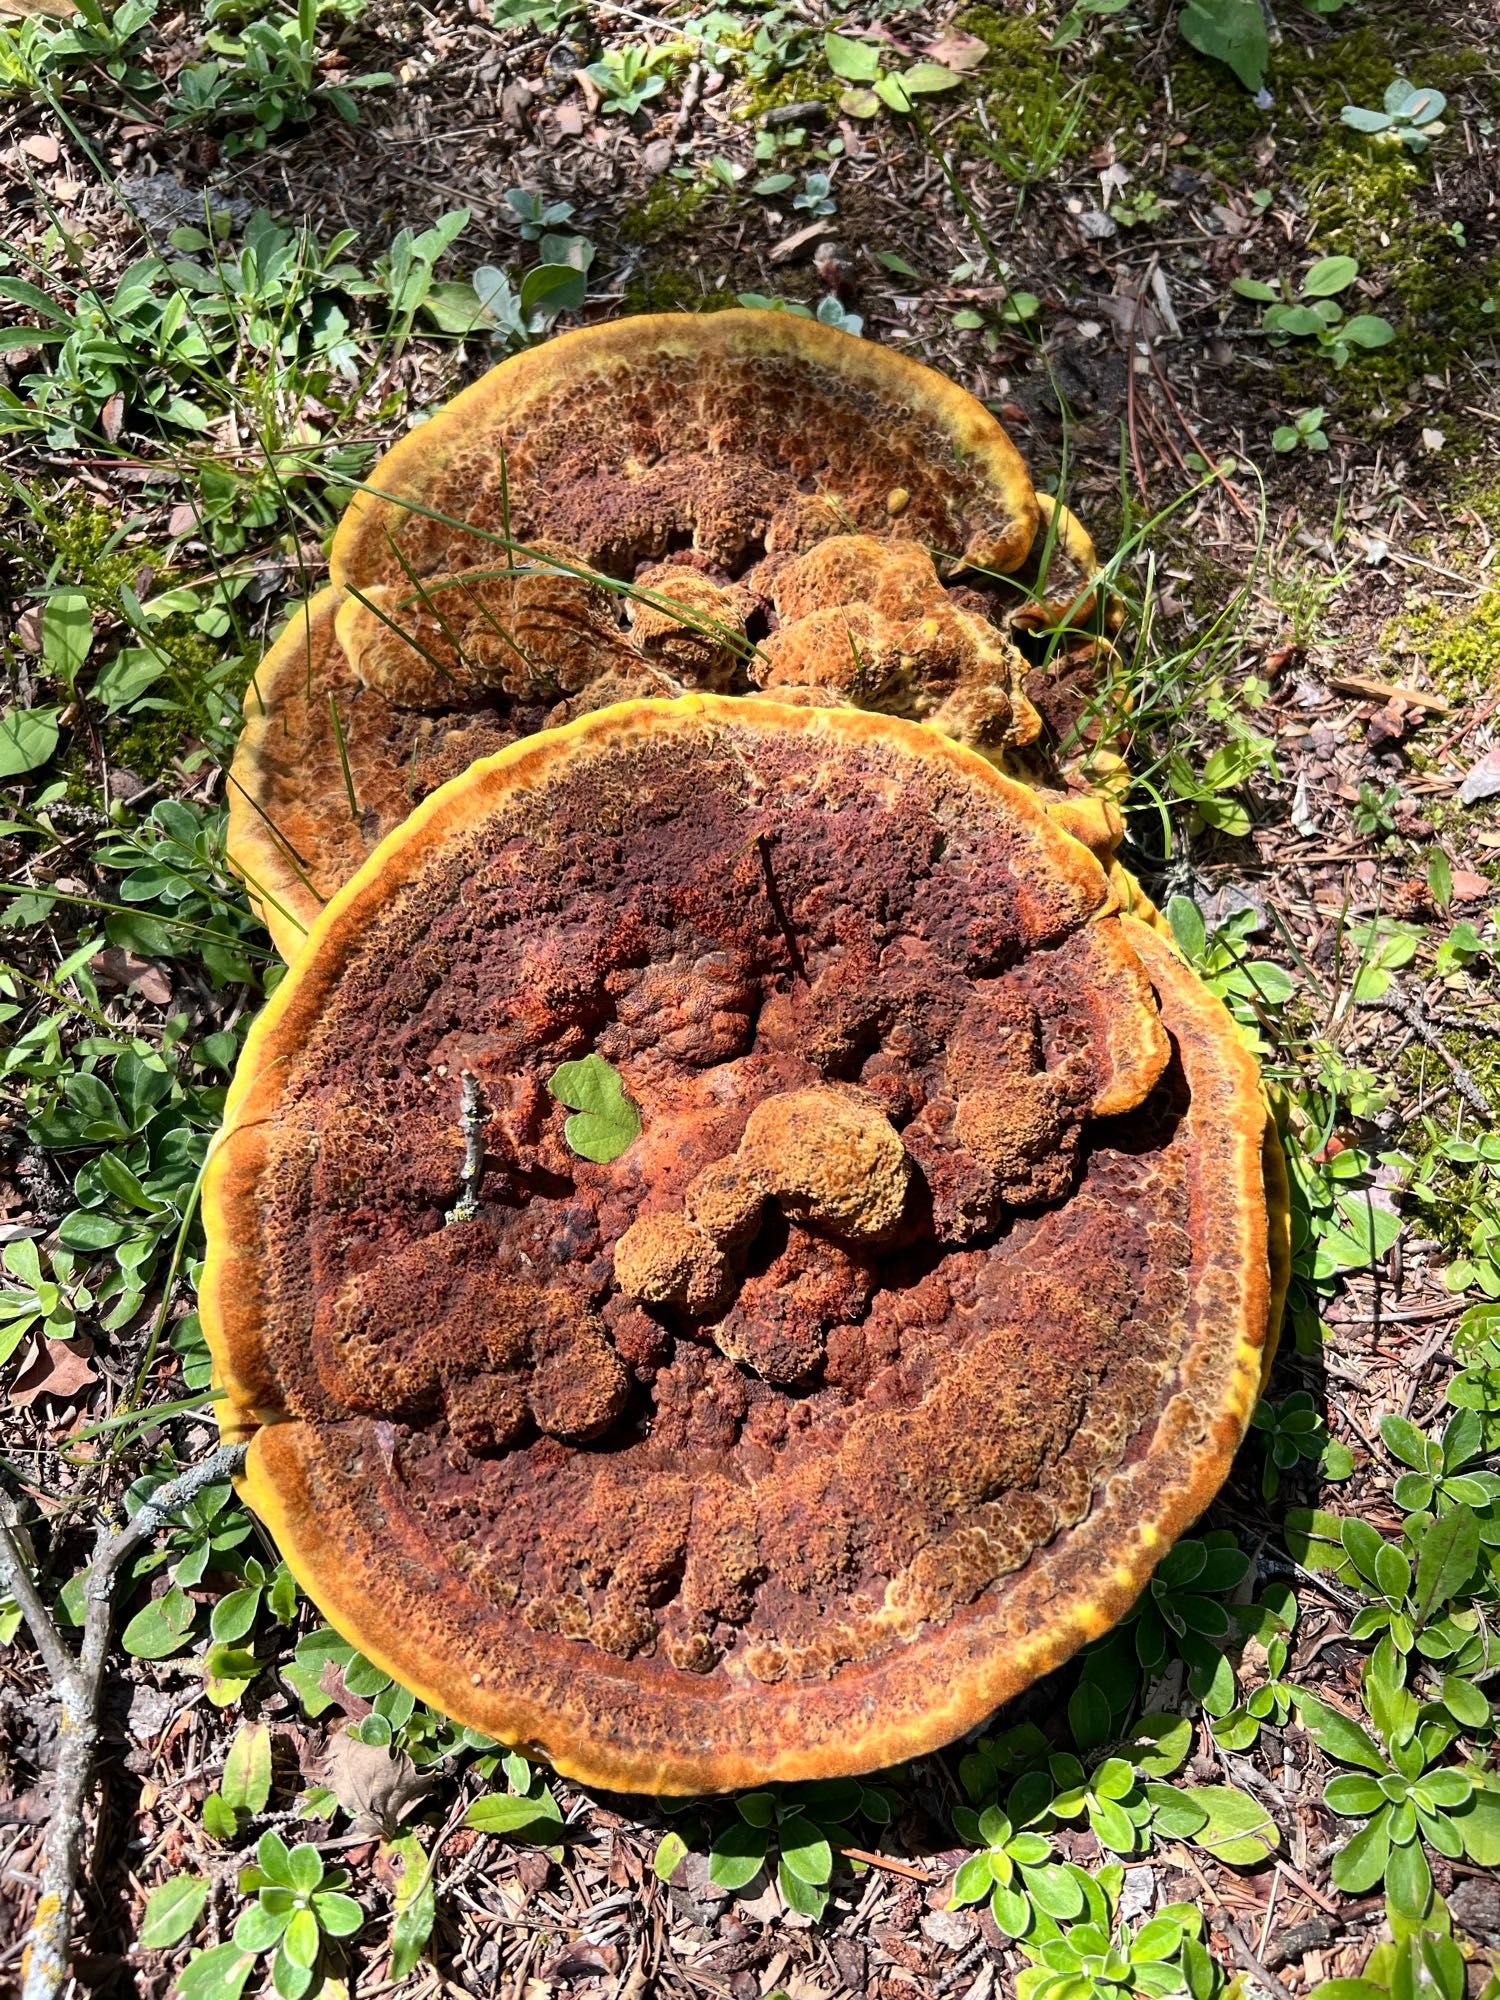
point(703, 644)
point(620, 439)
point(1066, 593)
point(664, 1260)
point(987, 1438)
point(872, 621)
point(525, 630)
point(506, 567)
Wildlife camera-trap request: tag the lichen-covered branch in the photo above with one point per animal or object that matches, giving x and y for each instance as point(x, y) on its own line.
point(78, 1683)
point(472, 1120)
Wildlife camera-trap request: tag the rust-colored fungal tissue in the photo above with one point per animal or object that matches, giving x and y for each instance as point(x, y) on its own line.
point(929, 1300)
point(727, 503)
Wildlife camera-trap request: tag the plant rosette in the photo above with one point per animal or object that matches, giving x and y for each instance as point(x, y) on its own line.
point(298, 1904)
point(1405, 1799)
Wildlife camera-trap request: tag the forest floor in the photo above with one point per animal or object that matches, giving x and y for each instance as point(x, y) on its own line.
point(1302, 526)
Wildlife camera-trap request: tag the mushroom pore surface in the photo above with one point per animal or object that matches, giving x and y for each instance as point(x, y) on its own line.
point(868, 1380)
point(722, 502)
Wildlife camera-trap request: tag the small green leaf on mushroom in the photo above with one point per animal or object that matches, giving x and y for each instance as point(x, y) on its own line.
point(604, 1121)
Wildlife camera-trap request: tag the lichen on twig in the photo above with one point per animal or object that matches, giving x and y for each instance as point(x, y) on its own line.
point(78, 1683)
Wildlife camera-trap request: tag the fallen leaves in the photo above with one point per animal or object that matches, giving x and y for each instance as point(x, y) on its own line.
point(1482, 780)
point(60, 1368)
point(956, 50)
point(121, 971)
point(372, 1783)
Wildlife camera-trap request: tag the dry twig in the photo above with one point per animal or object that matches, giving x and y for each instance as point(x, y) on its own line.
point(78, 1682)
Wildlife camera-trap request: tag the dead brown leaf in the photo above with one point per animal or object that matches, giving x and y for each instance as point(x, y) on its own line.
point(372, 1783)
point(1471, 888)
point(956, 50)
point(58, 1368)
point(123, 972)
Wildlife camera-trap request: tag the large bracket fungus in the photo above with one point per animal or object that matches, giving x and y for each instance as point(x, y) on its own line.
point(878, 1370)
point(723, 502)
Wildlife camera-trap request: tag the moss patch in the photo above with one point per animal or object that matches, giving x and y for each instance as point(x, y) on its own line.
point(84, 544)
point(1460, 649)
point(667, 211)
point(655, 291)
point(1026, 95)
point(808, 82)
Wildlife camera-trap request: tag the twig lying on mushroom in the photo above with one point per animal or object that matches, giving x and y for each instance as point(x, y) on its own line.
point(78, 1681)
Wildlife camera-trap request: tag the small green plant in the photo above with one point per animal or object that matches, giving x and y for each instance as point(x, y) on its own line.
point(1385, 947)
point(831, 311)
point(1210, 792)
point(1425, 1961)
point(1180, 1610)
point(1233, 32)
point(172, 1909)
point(1041, 123)
point(1444, 1471)
point(396, 1718)
point(299, 1908)
point(1248, 986)
point(871, 85)
point(535, 213)
point(1374, 811)
point(628, 78)
point(1293, 1432)
point(48, 1300)
point(814, 197)
point(1271, 1700)
point(1311, 311)
point(269, 75)
point(1476, 1386)
point(1101, 1958)
point(1305, 429)
point(800, 1827)
point(516, 315)
point(1409, 117)
point(1456, 1188)
point(1405, 1798)
point(1458, 951)
point(1013, 1870)
point(1145, 207)
point(39, 54)
point(244, 1788)
point(1406, 1596)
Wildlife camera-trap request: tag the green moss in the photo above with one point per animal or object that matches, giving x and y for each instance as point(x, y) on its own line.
point(80, 776)
point(1450, 1217)
point(1027, 98)
point(1460, 649)
point(672, 291)
point(83, 543)
point(147, 746)
point(667, 211)
point(1478, 487)
point(805, 84)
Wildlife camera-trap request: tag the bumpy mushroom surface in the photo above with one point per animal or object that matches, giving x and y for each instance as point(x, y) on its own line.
point(871, 1379)
point(871, 621)
point(621, 512)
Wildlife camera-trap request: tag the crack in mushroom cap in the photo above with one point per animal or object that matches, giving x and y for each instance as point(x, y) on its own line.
point(834, 1518)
